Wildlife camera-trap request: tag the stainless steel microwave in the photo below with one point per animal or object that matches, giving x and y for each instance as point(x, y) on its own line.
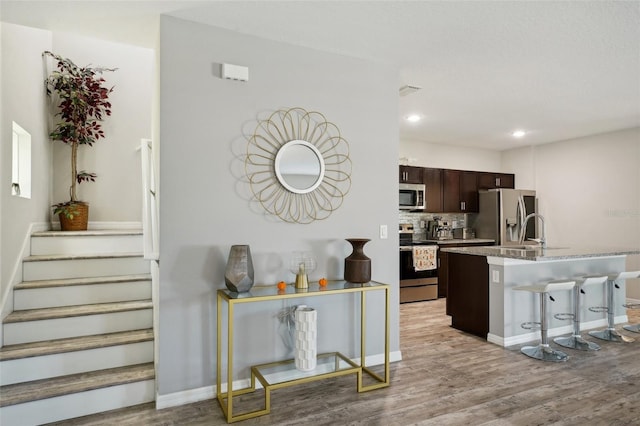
point(412, 196)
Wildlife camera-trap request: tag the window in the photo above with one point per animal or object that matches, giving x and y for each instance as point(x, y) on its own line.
point(21, 163)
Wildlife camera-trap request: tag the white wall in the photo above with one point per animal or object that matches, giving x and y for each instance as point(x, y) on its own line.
point(205, 205)
point(588, 190)
point(116, 194)
point(422, 154)
point(22, 101)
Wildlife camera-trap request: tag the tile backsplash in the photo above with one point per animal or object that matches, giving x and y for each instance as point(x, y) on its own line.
point(419, 221)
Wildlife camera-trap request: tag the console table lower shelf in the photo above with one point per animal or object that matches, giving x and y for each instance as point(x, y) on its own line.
point(282, 374)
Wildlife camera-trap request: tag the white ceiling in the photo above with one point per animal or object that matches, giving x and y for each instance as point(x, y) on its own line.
point(557, 69)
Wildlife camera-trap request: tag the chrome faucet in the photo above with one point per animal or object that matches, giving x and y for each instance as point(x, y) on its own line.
point(542, 241)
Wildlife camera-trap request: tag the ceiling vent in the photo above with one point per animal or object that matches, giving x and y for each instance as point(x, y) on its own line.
point(408, 89)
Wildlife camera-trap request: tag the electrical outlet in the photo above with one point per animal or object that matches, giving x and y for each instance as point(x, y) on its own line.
point(383, 232)
point(495, 277)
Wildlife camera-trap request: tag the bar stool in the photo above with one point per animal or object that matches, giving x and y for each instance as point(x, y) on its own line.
point(543, 351)
point(576, 341)
point(633, 327)
point(610, 333)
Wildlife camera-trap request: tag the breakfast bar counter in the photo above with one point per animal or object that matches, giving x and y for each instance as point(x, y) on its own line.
point(481, 281)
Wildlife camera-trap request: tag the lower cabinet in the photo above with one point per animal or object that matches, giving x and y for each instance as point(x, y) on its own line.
point(443, 267)
point(468, 293)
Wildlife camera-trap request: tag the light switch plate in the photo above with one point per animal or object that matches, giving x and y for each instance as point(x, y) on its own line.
point(495, 276)
point(383, 232)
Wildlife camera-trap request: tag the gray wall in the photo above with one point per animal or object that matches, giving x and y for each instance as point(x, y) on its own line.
point(205, 201)
point(23, 101)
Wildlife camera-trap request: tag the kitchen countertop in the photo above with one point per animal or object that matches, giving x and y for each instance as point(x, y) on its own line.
point(461, 241)
point(536, 253)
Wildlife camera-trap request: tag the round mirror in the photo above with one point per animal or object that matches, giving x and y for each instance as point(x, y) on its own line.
point(299, 166)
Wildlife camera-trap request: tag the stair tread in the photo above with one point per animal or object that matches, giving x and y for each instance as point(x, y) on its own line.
point(50, 347)
point(49, 388)
point(45, 257)
point(81, 281)
point(89, 232)
point(78, 310)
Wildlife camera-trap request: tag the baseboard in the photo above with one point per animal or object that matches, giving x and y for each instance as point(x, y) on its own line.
point(16, 275)
point(55, 225)
point(554, 332)
point(209, 392)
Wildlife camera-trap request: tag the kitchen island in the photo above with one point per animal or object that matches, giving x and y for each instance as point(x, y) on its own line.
point(482, 301)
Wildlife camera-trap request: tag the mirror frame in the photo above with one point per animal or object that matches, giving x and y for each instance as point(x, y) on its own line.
point(265, 148)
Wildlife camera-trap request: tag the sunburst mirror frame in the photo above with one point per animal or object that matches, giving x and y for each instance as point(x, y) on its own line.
point(281, 132)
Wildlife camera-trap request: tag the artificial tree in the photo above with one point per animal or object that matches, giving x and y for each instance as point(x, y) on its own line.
point(82, 100)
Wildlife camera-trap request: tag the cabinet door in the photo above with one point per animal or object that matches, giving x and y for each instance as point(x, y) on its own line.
point(451, 191)
point(505, 180)
point(469, 192)
point(410, 174)
point(487, 180)
point(433, 182)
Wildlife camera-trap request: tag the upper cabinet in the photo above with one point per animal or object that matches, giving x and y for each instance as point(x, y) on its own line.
point(460, 191)
point(410, 174)
point(433, 196)
point(487, 180)
point(454, 191)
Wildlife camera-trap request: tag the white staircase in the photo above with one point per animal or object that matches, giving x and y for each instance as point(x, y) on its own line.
point(80, 339)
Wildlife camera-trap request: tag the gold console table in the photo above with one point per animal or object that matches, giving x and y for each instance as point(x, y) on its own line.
point(282, 374)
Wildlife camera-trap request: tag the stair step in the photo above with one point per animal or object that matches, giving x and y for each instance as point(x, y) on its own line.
point(35, 325)
point(74, 311)
point(50, 388)
point(26, 285)
point(41, 360)
point(46, 267)
point(50, 347)
point(81, 291)
point(91, 241)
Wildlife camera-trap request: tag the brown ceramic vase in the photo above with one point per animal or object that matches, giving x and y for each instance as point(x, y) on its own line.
point(357, 266)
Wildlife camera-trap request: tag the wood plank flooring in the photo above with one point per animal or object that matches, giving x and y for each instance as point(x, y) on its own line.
point(446, 377)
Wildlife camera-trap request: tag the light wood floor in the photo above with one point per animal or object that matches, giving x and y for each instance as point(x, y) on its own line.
point(446, 377)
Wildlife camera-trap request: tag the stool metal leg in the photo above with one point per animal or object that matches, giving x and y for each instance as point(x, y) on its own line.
point(543, 351)
point(610, 333)
point(576, 341)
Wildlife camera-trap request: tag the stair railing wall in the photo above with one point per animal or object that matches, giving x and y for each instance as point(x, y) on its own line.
point(150, 202)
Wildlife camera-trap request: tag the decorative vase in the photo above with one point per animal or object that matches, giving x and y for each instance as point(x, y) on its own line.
point(357, 266)
point(238, 275)
point(306, 350)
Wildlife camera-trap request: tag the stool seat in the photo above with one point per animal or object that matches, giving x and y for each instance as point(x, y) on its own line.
point(610, 333)
point(547, 287)
point(543, 351)
point(576, 341)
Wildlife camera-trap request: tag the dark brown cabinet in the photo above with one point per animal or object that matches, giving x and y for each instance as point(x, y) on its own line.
point(433, 182)
point(410, 174)
point(468, 293)
point(443, 266)
point(460, 191)
point(487, 180)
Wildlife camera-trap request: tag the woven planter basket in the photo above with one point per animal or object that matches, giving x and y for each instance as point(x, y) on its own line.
point(79, 221)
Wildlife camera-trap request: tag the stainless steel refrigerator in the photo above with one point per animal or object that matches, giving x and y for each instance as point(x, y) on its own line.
point(502, 214)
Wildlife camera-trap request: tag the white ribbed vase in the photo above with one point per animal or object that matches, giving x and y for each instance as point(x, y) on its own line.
point(306, 332)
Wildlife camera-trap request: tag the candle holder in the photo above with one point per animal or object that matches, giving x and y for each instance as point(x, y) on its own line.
point(301, 264)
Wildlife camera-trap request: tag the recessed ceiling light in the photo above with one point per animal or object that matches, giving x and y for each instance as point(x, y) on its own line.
point(414, 118)
point(518, 133)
